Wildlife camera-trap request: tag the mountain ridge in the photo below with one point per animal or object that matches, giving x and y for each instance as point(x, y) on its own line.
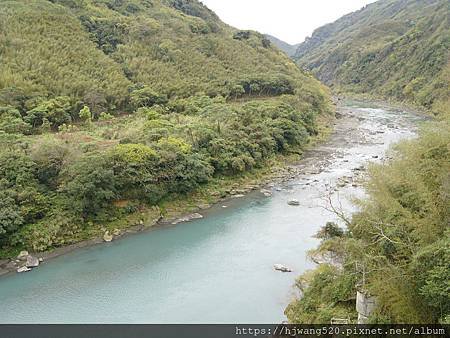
point(289, 49)
point(390, 48)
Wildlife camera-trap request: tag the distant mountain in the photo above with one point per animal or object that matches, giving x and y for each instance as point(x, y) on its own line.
point(284, 46)
point(390, 48)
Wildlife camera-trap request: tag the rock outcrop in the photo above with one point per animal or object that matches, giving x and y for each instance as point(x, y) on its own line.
point(32, 262)
point(365, 305)
point(23, 255)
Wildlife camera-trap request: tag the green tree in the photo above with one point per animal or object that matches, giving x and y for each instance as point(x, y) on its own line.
point(146, 97)
point(11, 121)
point(57, 111)
point(89, 185)
point(85, 115)
point(11, 218)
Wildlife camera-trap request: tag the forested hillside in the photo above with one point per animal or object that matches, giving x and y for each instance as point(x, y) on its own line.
point(396, 249)
point(391, 48)
point(111, 107)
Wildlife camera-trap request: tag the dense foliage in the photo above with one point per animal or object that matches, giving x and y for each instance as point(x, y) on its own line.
point(116, 55)
point(108, 107)
point(396, 249)
point(391, 48)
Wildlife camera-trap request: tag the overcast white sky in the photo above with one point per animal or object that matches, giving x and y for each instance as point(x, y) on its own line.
point(288, 20)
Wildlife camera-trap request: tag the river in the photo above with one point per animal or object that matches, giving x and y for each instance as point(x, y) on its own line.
point(218, 269)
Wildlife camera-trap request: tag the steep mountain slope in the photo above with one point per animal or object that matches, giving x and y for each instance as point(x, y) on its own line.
point(284, 46)
point(395, 49)
point(110, 110)
point(98, 51)
point(391, 48)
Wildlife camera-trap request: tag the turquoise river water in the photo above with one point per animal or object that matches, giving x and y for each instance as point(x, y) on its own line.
point(218, 269)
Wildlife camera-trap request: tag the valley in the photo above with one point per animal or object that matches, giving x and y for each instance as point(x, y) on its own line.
point(160, 166)
point(232, 249)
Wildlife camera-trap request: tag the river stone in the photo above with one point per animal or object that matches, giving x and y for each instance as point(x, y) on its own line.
point(188, 218)
point(294, 202)
point(23, 269)
point(203, 206)
point(266, 192)
point(32, 262)
point(195, 215)
point(107, 237)
point(23, 255)
point(282, 268)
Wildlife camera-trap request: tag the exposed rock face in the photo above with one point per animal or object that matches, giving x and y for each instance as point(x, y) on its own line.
point(107, 237)
point(282, 268)
point(32, 262)
point(365, 305)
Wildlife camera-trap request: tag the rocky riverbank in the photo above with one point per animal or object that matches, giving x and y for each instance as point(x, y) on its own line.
point(244, 231)
point(347, 129)
point(176, 216)
point(185, 209)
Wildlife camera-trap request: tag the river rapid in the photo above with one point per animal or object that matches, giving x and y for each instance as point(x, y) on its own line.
point(218, 269)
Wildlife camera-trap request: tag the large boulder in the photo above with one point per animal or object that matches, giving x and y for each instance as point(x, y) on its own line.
point(23, 269)
point(23, 255)
point(107, 237)
point(32, 262)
